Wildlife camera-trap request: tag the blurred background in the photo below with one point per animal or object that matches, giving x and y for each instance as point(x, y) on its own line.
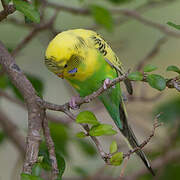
point(132, 41)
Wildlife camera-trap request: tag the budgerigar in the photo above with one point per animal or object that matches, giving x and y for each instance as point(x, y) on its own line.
point(88, 62)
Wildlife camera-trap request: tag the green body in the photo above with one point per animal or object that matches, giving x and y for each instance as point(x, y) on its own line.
point(110, 98)
point(86, 60)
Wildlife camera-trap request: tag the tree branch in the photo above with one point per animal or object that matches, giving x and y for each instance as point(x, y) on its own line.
point(51, 149)
point(7, 11)
point(34, 111)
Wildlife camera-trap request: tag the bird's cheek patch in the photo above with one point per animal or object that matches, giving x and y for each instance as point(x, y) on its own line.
point(72, 71)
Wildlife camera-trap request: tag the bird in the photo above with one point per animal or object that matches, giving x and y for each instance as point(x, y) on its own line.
point(87, 62)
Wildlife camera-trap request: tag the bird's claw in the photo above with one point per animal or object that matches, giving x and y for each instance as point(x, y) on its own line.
point(72, 102)
point(106, 83)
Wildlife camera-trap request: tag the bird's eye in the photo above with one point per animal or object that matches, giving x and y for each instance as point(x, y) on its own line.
point(65, 65)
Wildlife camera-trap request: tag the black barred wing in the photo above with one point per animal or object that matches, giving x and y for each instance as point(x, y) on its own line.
point(111, 58)
point(107, 52)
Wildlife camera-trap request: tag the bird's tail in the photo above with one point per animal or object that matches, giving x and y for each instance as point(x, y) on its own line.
point(128, 133)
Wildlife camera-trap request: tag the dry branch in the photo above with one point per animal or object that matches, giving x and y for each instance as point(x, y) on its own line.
point(51, 149)
point(34, 111)
point(7, 11)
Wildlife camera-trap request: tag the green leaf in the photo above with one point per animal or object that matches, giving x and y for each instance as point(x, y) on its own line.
point(4, 82)
point(46, 163)
point(149, 68)
point(174, 25)
point(81, 135)
point(27, 20)
point(36, 170)
point(135, 76)
point(81, 171)
point(59, 134)
point(29, 177)
point(61, 165)
point(156, 81)
point(102, 16)
point(2, 136)
point(28, 10)
point(173, 68)
point(87, 147)
point(102, 129)
point(87, 117)
point(117, 159)
point(113, 147)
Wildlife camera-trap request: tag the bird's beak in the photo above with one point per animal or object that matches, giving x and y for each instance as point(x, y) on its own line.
point(60, 75)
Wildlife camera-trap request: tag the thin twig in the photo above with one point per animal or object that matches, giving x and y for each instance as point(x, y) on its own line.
point(103, 155)
point(33, 33)
point(144, 99)
point(135, 15)
point(156, 124)
point(51, 149)
point(7, 11)
point(172, 156)
point(126, 12)
point(123, 168)
point(151, 54)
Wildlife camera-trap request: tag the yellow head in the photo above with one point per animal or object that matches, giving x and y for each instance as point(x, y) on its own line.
point(72, 55)
point(65, 53)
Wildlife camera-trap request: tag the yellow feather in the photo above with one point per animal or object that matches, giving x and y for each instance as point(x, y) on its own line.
point(63, 46)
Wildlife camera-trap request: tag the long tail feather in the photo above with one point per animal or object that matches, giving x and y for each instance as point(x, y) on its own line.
point(128, 133)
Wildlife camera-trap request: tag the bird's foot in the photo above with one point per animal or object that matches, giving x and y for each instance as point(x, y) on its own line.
point(106, 83)
point(72, 102)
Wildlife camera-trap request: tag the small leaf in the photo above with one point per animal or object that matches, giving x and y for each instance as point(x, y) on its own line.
point(4, 82)
point(87, 147)
point(149, 68)
point(173, 68)
point(46, 162)
point(102, 16)
point(81, 135)
point(29, 177)
point(135, 76)
point(87, 117)
point(156, 81)
point(2, 137)
point(102, 129)
point(60, 136)
point(61, 165)
point(83, 172)
point(174, 25)
point(36, 170)
point(28, 10)
point(113, 147)
point(117, 159)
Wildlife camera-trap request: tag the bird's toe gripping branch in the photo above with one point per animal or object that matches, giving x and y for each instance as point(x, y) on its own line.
point(106, 83)
point(72, 102)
